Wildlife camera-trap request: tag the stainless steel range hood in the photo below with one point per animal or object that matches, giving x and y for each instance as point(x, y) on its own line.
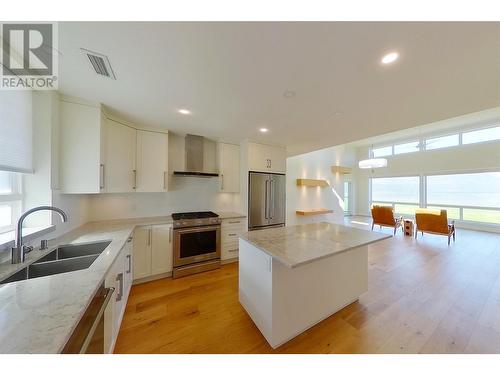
point(195, 158)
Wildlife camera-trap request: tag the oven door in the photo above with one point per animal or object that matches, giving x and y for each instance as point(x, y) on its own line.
point(193, 245)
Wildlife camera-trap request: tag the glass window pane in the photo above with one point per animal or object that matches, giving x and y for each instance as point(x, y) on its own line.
point(395, 189)
point(485, 216)
point(382, 151)
point(441, 142)
point(451, 212)
point(482, 135)
point(5, 215)
point(472, 189)
point(405, 148)
point(405, 209)
point(5, 183)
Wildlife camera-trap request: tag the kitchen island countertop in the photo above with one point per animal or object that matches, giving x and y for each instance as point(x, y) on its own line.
point(301, 244)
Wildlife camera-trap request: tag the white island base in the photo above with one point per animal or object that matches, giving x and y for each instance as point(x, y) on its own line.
point(284, 302)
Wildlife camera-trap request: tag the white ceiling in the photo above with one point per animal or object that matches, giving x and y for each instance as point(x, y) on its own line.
point(233, 76)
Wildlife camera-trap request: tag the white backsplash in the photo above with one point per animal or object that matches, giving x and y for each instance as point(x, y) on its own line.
point(185, 194)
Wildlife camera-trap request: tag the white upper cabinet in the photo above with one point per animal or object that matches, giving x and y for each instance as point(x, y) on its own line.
point(229, 167)
point(152, 161)
point(265, 158)
point(82, 148)
point(100, 155)
point(120, 170)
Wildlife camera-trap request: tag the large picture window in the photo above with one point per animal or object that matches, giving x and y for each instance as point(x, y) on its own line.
point(467, 196)
point(396, 189)
point(472, 189)
point(402, 193)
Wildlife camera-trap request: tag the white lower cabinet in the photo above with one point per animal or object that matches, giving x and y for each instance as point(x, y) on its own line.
point(120, 278)
point(153, 254)
point(230, 232)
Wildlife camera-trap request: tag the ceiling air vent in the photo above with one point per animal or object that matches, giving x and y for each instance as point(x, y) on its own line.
point(100, 63)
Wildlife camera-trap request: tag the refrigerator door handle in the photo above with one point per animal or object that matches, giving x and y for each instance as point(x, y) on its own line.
point(274, 199)
point(265, 201)
point(271, 201)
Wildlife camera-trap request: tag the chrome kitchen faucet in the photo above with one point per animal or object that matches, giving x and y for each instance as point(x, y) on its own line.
point(19, 251)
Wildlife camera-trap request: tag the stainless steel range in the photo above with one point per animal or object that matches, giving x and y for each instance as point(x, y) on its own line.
point(196, 242)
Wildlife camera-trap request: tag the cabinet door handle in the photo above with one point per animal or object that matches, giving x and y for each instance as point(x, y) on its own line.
point(129, 263)
point(222, 182)
point(232, 234)
point(164, 180)
point(234, 222)
point(102, 177)
point(170, 235)
point(135, 179)
point(119, 295)
point(149, 236)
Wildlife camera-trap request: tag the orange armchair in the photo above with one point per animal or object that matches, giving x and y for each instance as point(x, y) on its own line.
point(434, 222)
point(384, 216)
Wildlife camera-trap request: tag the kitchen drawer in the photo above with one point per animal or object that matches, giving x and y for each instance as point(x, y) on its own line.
point(229, 252)
point(229, 236)
point(237, 221)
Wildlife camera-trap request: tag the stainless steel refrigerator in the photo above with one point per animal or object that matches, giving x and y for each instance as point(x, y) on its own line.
point(266, 200)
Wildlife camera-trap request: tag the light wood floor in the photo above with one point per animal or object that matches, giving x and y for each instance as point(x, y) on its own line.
point(423, 297)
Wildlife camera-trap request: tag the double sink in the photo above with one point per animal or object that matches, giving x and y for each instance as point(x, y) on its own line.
point(65, 258)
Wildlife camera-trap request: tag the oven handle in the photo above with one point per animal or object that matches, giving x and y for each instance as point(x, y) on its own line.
point(197, 229)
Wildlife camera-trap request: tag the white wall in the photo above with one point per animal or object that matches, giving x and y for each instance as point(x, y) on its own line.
point(317, 165)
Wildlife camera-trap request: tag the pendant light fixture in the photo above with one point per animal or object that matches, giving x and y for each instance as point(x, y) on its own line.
point(372, 163)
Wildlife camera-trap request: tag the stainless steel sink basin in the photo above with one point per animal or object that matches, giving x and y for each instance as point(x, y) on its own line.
point(66, 258)
point(76, 250)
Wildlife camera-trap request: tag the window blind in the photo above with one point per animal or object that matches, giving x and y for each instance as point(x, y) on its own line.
point(16, 131)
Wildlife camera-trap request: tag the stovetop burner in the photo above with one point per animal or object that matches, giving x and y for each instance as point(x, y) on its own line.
point(193, 215)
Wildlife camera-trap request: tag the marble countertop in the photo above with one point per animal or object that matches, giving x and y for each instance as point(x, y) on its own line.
point(301, 244)
point(39, 315)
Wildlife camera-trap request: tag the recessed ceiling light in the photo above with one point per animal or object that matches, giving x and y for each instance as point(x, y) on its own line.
point(264, 130)
point(390, 58)
point(289, 94)
point(338, 113)
point(184, 111)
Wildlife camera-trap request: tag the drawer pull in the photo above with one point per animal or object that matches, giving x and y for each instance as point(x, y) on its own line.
point(232, 234)
point(232, 251)
point(234, 222)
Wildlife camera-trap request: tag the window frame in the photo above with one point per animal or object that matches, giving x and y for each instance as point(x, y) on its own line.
point(424, 141)
point(13, 199)
point(423, 196)
point(462, 207)
point(418, 147)
point(422, 147)
point(472, 130)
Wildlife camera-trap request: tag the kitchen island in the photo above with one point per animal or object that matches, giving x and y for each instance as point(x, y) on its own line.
point(291, 278)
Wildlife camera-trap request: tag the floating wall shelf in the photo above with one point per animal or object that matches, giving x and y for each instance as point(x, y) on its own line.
point(341, 170)
point(310, 182)
point(313, 211)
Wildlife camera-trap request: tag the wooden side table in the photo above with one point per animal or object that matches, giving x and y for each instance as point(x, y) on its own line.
point(408, 225)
